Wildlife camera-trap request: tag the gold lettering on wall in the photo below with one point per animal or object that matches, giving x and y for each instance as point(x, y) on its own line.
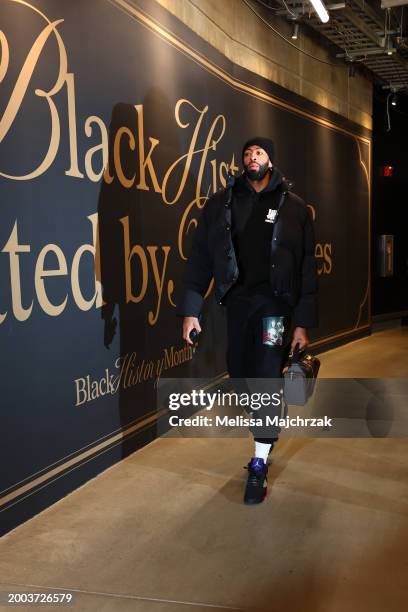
point(147, 267)
point(4, 55)
point(145, 161)
point(323, 255)
point(323, 251)
point(40, 273)
point(13, 248)
point(138, 251)
point(72, 125)
point(186, 157)
point(96, 299)
point(313, 211)
point(126, 182)
point(158, 278)
point(20, 90)
point(130, 371)
point(212, 142)
point(93, 175)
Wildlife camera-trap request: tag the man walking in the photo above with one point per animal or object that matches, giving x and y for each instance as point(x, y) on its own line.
point(257, 240)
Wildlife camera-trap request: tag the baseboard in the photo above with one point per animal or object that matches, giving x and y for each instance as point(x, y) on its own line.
point(389, 320)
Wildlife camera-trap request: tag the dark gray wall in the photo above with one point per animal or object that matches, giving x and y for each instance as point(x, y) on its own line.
point(390, 201)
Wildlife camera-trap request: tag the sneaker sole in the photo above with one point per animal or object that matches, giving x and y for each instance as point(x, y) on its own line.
point(252, 502)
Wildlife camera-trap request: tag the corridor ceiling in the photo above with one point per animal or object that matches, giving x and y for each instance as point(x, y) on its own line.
point(361, 32)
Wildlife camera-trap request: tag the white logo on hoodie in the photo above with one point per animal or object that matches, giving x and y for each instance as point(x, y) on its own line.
point(270, 217)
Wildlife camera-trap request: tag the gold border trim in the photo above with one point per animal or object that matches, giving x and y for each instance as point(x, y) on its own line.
point(48, 477)
point(74, 454)
point(367, 294)
point(347, 332)
point(74, 463)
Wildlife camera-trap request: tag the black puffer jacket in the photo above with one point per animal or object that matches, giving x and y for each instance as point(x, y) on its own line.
point(293, 273)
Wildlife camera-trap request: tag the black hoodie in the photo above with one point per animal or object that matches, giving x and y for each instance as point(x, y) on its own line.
point(252, 227)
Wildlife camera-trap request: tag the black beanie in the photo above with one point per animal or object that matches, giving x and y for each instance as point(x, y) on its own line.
point(265, 143)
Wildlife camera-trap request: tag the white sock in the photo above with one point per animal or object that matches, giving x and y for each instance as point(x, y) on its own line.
point(262, 450)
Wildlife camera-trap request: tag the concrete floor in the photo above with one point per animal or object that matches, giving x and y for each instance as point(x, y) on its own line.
point(166, 530)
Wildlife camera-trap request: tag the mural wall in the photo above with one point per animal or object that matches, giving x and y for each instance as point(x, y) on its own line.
point(116, 124)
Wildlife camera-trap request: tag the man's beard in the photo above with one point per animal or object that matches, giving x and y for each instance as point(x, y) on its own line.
point(257, 175)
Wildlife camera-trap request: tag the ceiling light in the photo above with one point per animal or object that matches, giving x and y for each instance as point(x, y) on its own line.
point(295, 31)
point(320, 10)
point(394, 99)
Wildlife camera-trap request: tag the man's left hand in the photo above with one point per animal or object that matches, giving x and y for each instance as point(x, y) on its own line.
point(300, 338)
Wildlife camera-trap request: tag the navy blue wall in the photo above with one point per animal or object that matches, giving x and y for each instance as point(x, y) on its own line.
point(90, 265)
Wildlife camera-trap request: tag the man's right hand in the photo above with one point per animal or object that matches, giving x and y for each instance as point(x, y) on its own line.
point(190, 323)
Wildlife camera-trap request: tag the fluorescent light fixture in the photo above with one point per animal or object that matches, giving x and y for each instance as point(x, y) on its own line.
point(320, 10)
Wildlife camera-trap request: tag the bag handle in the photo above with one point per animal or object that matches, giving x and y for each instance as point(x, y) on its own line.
point(296, 354)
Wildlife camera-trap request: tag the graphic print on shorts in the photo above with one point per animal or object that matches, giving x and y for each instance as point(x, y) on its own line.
point(272, 331)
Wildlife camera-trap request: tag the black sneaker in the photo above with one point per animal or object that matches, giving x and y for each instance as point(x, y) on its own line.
point(255, 490)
